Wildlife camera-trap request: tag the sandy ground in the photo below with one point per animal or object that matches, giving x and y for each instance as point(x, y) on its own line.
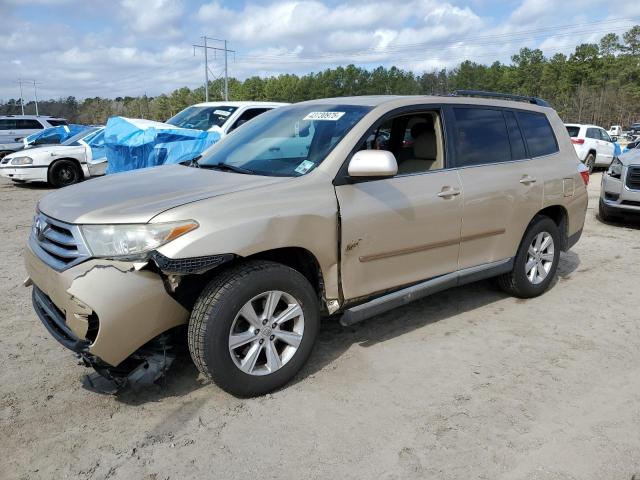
point(467, 384)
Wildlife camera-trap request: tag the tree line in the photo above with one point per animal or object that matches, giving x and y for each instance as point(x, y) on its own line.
point(598, 83)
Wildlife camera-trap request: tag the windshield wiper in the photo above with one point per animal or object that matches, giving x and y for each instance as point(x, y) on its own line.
point(226, 167)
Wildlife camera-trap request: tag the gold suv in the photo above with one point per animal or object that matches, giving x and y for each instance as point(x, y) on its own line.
point(341, 207)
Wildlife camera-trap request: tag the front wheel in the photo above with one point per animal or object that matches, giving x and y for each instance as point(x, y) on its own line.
point(253, 327)
point(536, 262)
point(63, 173)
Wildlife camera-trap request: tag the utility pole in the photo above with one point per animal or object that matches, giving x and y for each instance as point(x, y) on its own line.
point(206, 64)
point(20, 82)
point(35, 94)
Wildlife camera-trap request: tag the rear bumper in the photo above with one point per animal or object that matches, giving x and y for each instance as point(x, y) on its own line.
point(103, 308)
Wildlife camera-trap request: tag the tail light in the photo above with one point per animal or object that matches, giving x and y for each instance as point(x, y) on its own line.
point(577, 141)
point(584, 173)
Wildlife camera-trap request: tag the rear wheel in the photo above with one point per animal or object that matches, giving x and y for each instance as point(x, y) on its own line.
point(253, 327)
point(63, 173)
point(590, 162)
point(536, 262)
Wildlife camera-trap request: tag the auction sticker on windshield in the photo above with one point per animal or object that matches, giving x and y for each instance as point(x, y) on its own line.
point(331, 116)
point(304, 167)
point(224, 113)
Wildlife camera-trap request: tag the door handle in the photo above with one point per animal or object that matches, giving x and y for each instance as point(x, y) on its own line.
point(527, 180)
point(448, 192)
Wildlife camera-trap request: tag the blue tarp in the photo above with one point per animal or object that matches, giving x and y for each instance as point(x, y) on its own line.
point(132, 143)
point(54, 135)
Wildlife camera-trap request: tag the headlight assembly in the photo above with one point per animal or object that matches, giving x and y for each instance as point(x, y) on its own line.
point(132, 241)
point(21, 161)
point(615, 169)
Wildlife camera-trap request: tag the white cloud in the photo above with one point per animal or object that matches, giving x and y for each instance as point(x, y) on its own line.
point(156, 17)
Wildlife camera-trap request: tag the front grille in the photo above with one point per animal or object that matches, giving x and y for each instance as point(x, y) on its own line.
point(60, 245)
point(633, 178)
point(631, 203)
point(4, 161)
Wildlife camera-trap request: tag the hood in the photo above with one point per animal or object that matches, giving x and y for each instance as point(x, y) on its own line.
point(45, 150)
point(140, 195)
point(632, 157)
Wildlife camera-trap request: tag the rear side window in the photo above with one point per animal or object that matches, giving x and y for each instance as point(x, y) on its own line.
point(593, 133)
point(573, 131)
point(23, 124)
point(57, 123)
point(538, 134)
point(481, 136)
point(7, 124)
point(518, 152)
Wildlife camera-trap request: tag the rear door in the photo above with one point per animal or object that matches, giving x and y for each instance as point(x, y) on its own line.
point(501, 184)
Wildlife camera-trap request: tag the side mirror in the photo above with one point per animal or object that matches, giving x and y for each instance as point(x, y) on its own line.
point(373, 163)
point(614, 138)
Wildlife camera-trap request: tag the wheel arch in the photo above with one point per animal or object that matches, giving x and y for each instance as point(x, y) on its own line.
point(71, 159)
point(560, 216)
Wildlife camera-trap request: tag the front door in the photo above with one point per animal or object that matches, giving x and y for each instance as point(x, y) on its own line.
point(400, 230)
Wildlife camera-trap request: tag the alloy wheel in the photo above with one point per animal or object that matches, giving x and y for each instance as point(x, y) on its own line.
point(540, 257)
point(266, 333)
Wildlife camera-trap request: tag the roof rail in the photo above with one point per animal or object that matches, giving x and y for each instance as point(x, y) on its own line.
point(504, 96)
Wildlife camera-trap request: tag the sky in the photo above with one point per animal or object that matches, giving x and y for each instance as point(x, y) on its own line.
point(134, 47)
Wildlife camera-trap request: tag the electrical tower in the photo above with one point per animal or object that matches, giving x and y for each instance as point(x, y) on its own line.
point(35, 92)
point(226, 51)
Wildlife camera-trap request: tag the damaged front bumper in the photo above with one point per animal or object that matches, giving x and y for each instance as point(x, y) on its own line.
point(104, 310)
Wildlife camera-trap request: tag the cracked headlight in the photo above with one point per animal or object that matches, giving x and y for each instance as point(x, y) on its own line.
point(132, 241)
point(615, 169)
point(21, 161)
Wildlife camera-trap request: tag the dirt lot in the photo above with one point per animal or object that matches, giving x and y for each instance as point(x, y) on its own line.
point(467, 384)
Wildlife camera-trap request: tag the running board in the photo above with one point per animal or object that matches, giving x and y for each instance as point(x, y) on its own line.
point(424, 289)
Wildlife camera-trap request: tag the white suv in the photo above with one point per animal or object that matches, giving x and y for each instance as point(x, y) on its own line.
point(593, 144)
point(13, 128)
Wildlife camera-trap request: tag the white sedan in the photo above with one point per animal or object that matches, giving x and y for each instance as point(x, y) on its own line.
point(80, 156)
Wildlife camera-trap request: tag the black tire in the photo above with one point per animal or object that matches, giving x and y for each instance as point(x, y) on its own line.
point(63, 173)
point(590, 162)
point(4, 153)
point(214, 313)
point(605, 213)
point(516, 282)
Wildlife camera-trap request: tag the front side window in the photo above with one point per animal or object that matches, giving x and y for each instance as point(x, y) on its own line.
point(605, 136)
point(481, 136)
point(288, 141)
point(538, 134)
point(414, 139)
point(23, 124)
point(202, 118)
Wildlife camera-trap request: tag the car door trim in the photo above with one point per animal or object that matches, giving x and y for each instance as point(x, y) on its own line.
point(429, 246)
point(395, 299)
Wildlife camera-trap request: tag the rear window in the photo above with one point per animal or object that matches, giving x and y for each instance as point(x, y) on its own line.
point(57, 123)
point(481, 136)
point(573, 131)
point(24, 124)
point(538, 134)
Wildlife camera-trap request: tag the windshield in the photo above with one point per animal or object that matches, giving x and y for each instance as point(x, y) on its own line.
point(288, 141)
point(73, 141)
point(202, 118)
point(573, 131)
